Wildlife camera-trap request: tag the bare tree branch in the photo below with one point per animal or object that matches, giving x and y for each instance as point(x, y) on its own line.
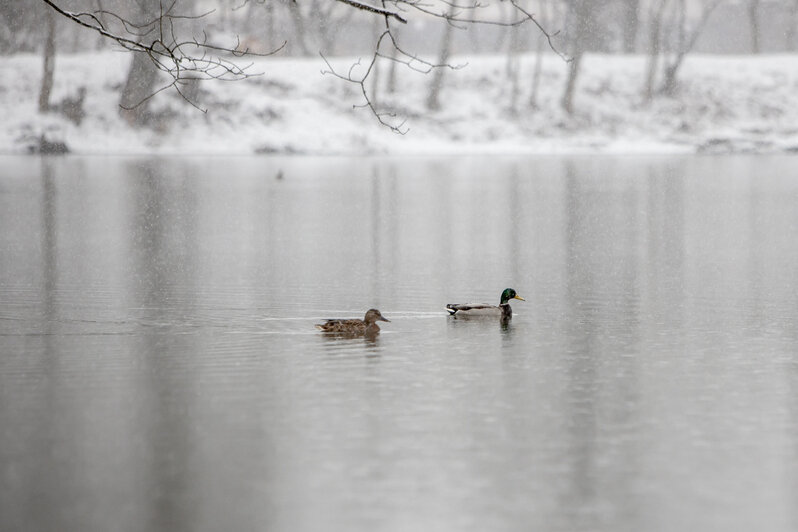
point(388, 119)
point(372, 9)
point(188, 59)
point(456, 14)
point(546, 34)
point(192, 60)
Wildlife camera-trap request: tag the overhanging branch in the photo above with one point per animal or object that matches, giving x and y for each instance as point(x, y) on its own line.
point(182, 60)
point(372, 9)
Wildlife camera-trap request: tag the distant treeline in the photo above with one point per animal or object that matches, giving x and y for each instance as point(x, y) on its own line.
point(332, 27)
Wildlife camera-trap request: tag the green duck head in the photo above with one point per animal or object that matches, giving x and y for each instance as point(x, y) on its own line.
point(509, 294)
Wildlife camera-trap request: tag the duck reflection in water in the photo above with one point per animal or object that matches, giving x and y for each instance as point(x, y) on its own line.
point(353, 328)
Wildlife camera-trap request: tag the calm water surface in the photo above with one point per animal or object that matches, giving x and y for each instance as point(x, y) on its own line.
point(159, 369)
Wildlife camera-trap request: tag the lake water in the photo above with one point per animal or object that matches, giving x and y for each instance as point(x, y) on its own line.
point(159, 368)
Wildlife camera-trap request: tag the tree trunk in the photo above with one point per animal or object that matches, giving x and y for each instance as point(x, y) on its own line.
point(139, 87)
point(685, 44)
point(390, 85)
point(547, 17)
point(49, 63)
point(142, 74)
point(101, 18)
point(753, 24)
point(570, 85)
point(791, 27)
point(533, 95)
point(630, 25)
point(655, 46)
point(582, 11)
point(433, 98)
point(513, 66)
point(299, 27)
point(375, 69)
point(270, 40)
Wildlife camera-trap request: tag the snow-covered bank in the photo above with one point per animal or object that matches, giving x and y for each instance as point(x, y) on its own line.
point(724, 104)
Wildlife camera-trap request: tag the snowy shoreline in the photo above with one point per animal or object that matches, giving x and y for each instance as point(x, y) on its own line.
point(726, 104)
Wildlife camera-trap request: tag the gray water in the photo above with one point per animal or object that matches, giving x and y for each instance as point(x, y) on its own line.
point(159, 368)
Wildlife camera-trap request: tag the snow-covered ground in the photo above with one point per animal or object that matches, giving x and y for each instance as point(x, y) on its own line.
point(724, 104)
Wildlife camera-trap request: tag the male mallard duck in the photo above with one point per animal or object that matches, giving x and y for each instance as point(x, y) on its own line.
point(503, 311)
point(368, 325)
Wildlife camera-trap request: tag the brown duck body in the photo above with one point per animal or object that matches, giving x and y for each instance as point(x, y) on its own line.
point(367, 325)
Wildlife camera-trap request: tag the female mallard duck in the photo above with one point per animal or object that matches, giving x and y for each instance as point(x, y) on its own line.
point(503, 311)
point(368, 325)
